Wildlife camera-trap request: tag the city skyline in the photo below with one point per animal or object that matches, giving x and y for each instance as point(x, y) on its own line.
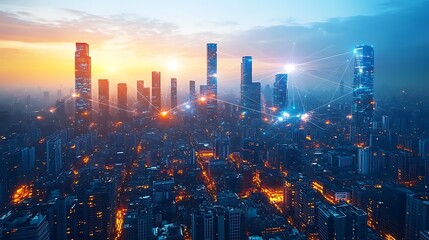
point(273, 44)
point(220, 120)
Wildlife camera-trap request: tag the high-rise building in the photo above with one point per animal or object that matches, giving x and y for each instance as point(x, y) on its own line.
point(222, 148)
point(363, 99)
point(98, 210)
point(122, 101)
point(246, 70)
point(144, 224)
point(156, 91)
point(203, 90)
point(280, 93)
point(83, 93)
point(143, 97)
point(341, 222)
point(250, 91)
point(53, 156)
point(211, 79)
point(235, 225)
point(173, 93)
point(251, 100)
point(424, 148)
point(25, 225)
point(417, 215)
point(103, 98)
point(28, 155)
point(192, 92)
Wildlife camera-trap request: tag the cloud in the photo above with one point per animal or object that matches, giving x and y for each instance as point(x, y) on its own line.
point(399, 39)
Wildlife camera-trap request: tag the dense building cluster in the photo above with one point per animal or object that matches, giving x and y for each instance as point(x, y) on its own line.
point(263, 165)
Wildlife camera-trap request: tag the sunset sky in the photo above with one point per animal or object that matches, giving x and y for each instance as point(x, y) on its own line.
point(129, 39)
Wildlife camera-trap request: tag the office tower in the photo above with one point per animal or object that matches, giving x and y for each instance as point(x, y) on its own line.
point(122, 101)
point(267, 95)
point(25, 225)
point(156, 91)
point(173, 93)
point(250, 91)
point(235, 225)
point(280, 93)
point(363, 99)
point(144, 224)
point(203, 90)
point(211, 79)
point(417, 215)
point(385, 122)
point(246, 70)
point(424, 148)
point(305, 208)
point(192, 92)
point(251, 100)
point(143, 97)
point(53, 156)
point(222, 148)
point(203, 223)
point(98, 210)
point(83, 104)
point(59, 94)
point(103, 98)
point(393, 223)
point(57, 218)
point(28, 156)
point(341, 222)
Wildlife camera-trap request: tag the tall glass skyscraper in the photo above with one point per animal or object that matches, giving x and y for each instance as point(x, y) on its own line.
point(363, 98)
point(246, 70)
point(173, 95)
point(250, 91)
point(211, 78)
point(280, 93)
point(103, 98)
point(83, 105)
point(122, 101)
point(156, 91)
point(192, 92)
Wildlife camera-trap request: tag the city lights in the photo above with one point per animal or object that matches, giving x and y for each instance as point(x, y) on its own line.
point(146, 129)
point(21, 193)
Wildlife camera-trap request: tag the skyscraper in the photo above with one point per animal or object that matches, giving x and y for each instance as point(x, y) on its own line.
point(280, 93)
point(363, 99)
point(122, 101)
point(192, 92)
point(246, 70)
point(211, 78)
point(417, 215)
point(143, 97)
point(156, 91)
point(83, 105)
point(250, 91)
point(341, 222)
point(28, 156)
point(173, 93)
point(53, 156)
point(103, 98)
point(140, 96)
